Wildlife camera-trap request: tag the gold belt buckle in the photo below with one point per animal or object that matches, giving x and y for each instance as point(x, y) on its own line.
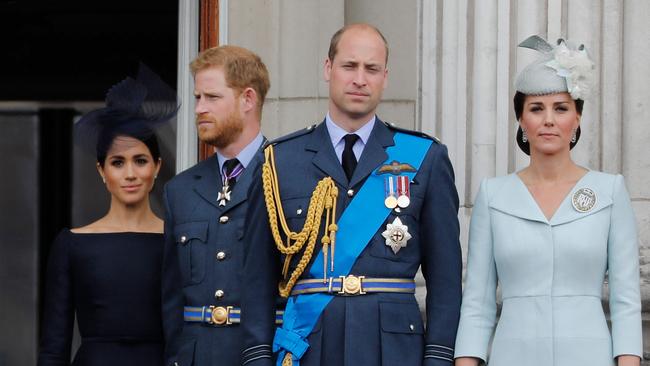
point(352, 285)
point(220, 315)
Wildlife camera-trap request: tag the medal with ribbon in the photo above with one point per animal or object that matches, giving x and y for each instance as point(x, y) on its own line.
point(391, 198)
point(403, 191)
point(228, 180)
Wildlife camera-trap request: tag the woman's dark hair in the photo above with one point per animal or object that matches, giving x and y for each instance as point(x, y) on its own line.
point(107, 137)
point(518, 102)
point(520, 98)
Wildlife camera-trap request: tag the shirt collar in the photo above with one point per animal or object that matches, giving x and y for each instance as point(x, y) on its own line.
point(246, 155)
point(337, 133)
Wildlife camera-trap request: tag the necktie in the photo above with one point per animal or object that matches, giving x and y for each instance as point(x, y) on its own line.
point(232, 169)
point(348, 160)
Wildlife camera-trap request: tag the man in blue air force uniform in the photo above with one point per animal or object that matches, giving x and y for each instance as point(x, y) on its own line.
point(206, 207)
point(342, 217)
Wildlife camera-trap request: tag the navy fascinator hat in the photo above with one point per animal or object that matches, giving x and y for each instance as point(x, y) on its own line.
point(134, 108)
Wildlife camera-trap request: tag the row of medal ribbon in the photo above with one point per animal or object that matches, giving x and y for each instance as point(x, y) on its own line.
point(397, 191)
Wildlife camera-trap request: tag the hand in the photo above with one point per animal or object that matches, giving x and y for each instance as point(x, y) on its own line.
point(628, 360)
point(466, 361)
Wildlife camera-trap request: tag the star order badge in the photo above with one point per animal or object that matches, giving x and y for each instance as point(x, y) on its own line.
point(396, 235)
point(583, 200)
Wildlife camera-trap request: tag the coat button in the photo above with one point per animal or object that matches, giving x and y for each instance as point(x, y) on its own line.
point(221, 256)
point(411, 327)
point(183, 239)
point(224, 219)
point(218, 294)
point(350, 192)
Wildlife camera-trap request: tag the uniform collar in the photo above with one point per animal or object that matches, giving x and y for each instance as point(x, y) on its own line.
point(246, 155)
point(337, 133)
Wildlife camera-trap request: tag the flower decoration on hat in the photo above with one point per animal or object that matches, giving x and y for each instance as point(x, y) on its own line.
point(560, 68)
point(576, 67)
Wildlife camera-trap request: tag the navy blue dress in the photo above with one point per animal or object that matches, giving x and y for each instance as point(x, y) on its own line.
point(112, 282)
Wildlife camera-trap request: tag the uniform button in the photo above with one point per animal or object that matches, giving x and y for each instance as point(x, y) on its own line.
point(224, 219)
point(219, 294)
point(350, 192)
point(183, 239)
point(221, 256)
point(411, 327)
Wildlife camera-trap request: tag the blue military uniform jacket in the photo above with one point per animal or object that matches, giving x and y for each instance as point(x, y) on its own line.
point(203, 262)
point(371, 329)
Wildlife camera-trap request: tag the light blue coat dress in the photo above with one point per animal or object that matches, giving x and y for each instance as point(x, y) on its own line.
point(550, 274)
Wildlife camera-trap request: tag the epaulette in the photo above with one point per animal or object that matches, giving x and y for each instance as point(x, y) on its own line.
point(393, 126)
point(293, 135)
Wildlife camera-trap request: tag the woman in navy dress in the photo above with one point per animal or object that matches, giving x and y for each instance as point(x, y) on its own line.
point(108, 272)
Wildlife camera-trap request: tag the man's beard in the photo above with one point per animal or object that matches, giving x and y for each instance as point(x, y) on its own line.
point(223, 132)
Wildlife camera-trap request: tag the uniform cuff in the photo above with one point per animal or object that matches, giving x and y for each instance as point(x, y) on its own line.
point(262, 353)
point(442, 354)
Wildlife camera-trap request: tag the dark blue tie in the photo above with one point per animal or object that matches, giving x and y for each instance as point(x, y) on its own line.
point(348, 160)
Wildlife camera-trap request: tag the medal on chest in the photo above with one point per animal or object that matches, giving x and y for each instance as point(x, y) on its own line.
point(224, 195)
point(396, 235)
point(397, 192)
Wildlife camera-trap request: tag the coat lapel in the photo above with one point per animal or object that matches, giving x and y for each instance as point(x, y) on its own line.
point(240, 192)
point(208, 182)
point(513, 198)
point(567, 213)
point(324, 156)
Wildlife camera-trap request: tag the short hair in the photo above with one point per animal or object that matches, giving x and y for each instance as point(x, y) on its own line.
point(520, 99)
point(242, 69)
point(336, 38)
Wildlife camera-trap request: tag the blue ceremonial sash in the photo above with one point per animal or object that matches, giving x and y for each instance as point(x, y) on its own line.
point(367, 207)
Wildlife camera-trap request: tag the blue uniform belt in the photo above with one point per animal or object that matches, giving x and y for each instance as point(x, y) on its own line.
point(354, 285)
point(219, 315)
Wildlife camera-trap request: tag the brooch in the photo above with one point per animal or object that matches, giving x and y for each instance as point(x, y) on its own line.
point(583, 200)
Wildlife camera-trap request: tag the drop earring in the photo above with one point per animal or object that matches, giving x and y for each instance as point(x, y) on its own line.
point(574, 137)
point(524, 136)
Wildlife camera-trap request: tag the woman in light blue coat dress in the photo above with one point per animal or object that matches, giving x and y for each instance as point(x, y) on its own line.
point(548, 235)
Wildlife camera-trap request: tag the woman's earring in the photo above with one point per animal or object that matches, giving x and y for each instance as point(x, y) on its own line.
point(524, 136)
point(574, 138)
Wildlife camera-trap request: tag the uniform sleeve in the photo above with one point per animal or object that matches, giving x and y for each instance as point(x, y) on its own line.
point(260, 279)
point(442, 262)
point(172, 288)
point(478, 311)
point(58, 317)
point(623, 274)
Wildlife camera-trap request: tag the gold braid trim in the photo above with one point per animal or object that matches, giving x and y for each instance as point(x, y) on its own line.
point(323, 199)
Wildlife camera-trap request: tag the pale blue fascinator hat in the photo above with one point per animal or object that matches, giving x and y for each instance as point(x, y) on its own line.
point(563, 67)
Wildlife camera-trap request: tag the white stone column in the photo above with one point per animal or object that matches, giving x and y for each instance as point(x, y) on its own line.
point(484, 85)
point(612, 86)
point(188, 48)
point(584, 25)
